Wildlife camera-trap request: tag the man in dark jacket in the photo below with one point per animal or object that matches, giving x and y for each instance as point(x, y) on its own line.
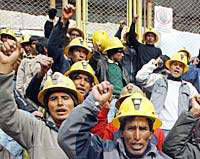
point(130, 60)
point(147, 51)
point(183, 140)
point(136, 127)
point(63, 56)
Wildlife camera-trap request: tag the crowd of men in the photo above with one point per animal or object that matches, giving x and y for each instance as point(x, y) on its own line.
point(119, 100)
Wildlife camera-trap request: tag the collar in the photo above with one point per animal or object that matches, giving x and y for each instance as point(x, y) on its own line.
point(152, 45)
point(111, 61)
point(170, 77)
point(151, 151)
point(51, 124)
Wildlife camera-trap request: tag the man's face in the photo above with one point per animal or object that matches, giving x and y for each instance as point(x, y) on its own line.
point(176, 69)
point(74, 34)
point(137, 135)
point(117, 57)
point(82, 83)
point(79, 54)
point(150, 38)
point(27, 48)
point(60, 105)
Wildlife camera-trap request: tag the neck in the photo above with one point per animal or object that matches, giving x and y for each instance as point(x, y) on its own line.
point(174, 78)
point(58, 124)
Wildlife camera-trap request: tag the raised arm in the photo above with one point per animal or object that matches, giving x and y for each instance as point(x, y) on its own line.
point(13, 122)
point(74, 135)
point(57, 39)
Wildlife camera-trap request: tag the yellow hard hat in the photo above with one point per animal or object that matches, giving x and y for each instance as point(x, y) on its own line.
point(137, 105)
point(180, 58)
point(8, 31)
point(83, 66)
point(151, 30)
point(59, 82)
point(78, 42)
point(183, 50)
point(113, 43)
point(70, 30)
point(25, 38)
point(127, 91)
point(98, 38)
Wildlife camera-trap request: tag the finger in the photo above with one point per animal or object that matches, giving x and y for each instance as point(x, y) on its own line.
point(100, 89)
point(105, 86)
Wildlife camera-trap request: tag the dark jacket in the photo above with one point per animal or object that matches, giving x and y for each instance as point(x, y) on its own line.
point(145, 52)
point(48, 26)
point(130, 60)
point(78, 143)
point(102, 71)
point(56, 44)
point(33, 89)
point(180, 143)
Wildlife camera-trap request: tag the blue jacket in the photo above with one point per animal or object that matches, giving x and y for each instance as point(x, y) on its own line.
point(193, 76)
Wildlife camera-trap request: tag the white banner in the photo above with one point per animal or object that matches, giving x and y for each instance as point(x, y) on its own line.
point(163, 18)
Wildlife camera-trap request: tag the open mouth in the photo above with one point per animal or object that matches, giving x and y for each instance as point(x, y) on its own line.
point(61, 110)
point(81, 90)
point(137, 147)
point(177, 71)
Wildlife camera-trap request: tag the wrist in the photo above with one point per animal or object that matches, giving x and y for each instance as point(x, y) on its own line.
point(40, 75)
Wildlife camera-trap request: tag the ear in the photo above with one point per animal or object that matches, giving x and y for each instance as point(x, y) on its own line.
point(151, 136)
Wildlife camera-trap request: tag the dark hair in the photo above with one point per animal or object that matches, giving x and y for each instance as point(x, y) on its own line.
point(111, 52)
point(41, 45)
point(52, 13)
point(125, 120)
point(74, 75)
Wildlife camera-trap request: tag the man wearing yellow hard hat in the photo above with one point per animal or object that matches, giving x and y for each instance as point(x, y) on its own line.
point(64, 55)
point(136, 120)
point(145, 51)
point(170, 93)
point(130, 59)
point(81, 73)
point(99, 39)
point(7, 33)
point(39, 138)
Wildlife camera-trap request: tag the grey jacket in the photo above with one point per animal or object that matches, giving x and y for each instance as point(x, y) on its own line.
point(179, 143)
point(77, 142)
point(33, 134)
point(159, 94)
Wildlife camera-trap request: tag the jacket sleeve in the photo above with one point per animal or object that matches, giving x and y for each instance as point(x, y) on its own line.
point(74, 135)
point(14, 122)
point(118, 34)
point(191, 75)
point(177, 143)
point(33, 89)
point(145, 76)
point(48, 26)
point(56, 45)
point(20, 78)
point(104, 129)
point(132, 41)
